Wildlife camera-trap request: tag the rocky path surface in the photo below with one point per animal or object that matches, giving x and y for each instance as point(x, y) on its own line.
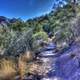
point(58, 65)
point(63, 67)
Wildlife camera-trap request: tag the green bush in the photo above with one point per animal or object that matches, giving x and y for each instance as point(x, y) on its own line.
point(40, 35)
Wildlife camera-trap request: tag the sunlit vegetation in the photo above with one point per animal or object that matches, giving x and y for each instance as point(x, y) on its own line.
point(7, 69)
point(19, 40)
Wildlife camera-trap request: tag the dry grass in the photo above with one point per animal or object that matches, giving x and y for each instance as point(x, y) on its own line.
point(27, 57)
point(40, 69)
point(7, 69)
point(23, 66)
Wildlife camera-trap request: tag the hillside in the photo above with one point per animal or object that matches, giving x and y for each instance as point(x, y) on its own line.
point(52, 24)
point(32, 48)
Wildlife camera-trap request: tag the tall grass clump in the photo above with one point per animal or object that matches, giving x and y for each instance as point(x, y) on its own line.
point(7, 69)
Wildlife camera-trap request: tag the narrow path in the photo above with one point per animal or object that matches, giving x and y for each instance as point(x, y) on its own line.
point(65, 66)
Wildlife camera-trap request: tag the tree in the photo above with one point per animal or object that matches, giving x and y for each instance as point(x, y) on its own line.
point(18, 25)
point(74, 5)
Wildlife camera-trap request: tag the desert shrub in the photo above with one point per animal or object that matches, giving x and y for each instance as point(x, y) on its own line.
point(38, 38)
point(19, 43)
point(4, 39)
point(40, 35)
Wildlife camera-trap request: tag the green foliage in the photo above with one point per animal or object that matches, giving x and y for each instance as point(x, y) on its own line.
point(17, 26)
point(40, 35)
point(38, 38)
point(56, 22)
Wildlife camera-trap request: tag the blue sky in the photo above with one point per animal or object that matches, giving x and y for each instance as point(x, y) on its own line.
point(25, 9)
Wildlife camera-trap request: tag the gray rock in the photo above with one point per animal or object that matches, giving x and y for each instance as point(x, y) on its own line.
point(68, 64)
